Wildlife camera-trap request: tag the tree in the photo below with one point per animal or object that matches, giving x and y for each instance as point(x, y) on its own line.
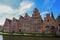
point(1, 28)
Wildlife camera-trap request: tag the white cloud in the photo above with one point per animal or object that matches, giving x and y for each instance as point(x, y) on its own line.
point(43, 14)
point(24, 7)
point(6, 9)
point(2, 21)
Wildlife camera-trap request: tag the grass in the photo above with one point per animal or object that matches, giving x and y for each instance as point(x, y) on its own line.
point(1, 33)
point(32, 35)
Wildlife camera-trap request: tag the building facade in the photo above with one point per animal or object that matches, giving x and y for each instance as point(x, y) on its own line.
point(58, 24)
point(33, 24)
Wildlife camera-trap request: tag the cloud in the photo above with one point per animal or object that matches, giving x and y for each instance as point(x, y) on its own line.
point(8, 12)
point(2, 21)
point(25, 6)
point(43, 14)
point(6, 9)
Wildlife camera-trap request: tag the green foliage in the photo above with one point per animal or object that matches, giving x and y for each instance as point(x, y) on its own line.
point(1, 28)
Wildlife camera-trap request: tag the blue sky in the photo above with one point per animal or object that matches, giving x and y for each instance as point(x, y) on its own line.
point(15, 8)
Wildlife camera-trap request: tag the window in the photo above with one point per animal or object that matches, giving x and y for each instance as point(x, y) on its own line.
point(48, 20)
point(47, 26)
point(35, 29)
point(19, 30)
point(58, 24)
point(13, 31)
point(50, 27)
point(38, 26)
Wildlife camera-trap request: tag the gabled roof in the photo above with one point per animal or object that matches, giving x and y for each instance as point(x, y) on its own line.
point(8, 20)
point(35, 10)
point(21, 17)
point(59, 15)
point(26, 15)
point(16, 20)
point(58, 18)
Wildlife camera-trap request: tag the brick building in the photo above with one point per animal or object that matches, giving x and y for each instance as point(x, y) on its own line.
point(58, 24)
point(49, 24)
point(33, 24)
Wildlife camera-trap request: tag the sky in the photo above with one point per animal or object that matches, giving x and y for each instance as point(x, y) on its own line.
point(15, 8)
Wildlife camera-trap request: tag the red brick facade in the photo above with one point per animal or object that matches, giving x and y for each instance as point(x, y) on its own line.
point(49, 24)
point(33, 24)
point(58, 24)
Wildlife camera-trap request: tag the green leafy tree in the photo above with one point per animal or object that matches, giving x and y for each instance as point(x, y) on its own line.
point(1, 28)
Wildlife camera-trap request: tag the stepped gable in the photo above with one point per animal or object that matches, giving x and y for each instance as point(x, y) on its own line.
point(35, 13)
point(21, 17)
point(27, 16)
point(58, 24)
point(26, 23)
point(58, 18)
point(21, 21)
point(33, 24)
point(49, 24)
point(36, 21)
point(35, 10)
point(14, 25)
point(16, 20)
point(6, 25)
point(58, 21)
point(7, 20)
